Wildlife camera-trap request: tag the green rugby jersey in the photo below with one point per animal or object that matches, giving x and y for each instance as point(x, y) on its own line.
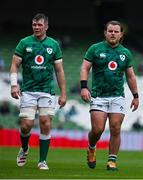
point(38, 63)
point(108, 67)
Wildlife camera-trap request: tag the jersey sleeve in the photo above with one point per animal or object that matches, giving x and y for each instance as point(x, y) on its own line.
point(19, 49)
point(129, 62)
point(89, 54)
point(58, 52)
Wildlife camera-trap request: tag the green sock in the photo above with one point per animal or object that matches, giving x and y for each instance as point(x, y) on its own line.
point(44, 147)
point(24, 141)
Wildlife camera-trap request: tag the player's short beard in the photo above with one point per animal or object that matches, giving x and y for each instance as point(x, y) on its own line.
point(113, 42)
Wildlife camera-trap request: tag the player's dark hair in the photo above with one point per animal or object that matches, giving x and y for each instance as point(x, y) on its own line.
point(114, 23)
point(40, 16)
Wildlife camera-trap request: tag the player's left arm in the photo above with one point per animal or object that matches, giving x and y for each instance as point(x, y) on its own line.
point(16, 62)
point(131, 80)
point(58, 65)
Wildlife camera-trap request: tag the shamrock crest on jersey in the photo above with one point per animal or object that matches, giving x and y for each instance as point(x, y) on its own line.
point(122, 57)
point(49, 50)
point(39, 59)
point(112, 65)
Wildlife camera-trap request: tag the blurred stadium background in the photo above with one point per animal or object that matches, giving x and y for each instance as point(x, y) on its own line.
point(76, 25)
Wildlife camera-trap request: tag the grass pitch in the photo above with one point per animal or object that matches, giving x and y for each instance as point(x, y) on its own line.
point(70, 164)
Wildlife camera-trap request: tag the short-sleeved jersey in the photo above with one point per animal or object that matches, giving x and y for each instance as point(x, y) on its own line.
point(38, 58)
point(108, 68)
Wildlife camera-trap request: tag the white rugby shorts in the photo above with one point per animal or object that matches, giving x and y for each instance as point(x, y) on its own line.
point(38, 100)
point(109, 104)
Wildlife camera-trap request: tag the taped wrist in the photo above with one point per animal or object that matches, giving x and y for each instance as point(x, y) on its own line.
point(13, 79)
point(83, 84)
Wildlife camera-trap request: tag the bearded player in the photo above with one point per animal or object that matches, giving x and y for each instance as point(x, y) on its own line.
point(109, 60)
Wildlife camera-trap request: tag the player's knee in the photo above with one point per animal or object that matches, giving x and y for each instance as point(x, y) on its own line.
point(26, 125)
point(25, 130)
point(115, 134)
point(27, 113)
point(115, 130)
point(97, 132)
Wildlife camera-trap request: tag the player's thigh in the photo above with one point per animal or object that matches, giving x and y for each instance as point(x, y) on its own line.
point(115, 120)
point(98, 119)
point(27, 113)
point(46, 105)
point(28, 107)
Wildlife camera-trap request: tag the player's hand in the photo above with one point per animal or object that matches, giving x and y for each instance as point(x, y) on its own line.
point(134, 104)
point(62, 100)
point(85, 94)
point(15, 92)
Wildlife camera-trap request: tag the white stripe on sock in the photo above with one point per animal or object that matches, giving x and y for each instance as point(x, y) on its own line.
point(45, 137)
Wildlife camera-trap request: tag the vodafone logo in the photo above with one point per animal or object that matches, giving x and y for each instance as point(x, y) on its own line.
point(39, 59)
point(112, 65)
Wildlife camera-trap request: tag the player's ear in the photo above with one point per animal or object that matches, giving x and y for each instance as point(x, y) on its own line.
point(46, 26)
point(121, 36)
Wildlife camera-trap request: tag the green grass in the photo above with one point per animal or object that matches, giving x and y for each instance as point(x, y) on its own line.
point(70, 164)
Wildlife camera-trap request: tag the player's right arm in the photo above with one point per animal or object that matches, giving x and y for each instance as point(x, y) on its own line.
point(84, 72)
point(15, 91)
point(61, 82)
